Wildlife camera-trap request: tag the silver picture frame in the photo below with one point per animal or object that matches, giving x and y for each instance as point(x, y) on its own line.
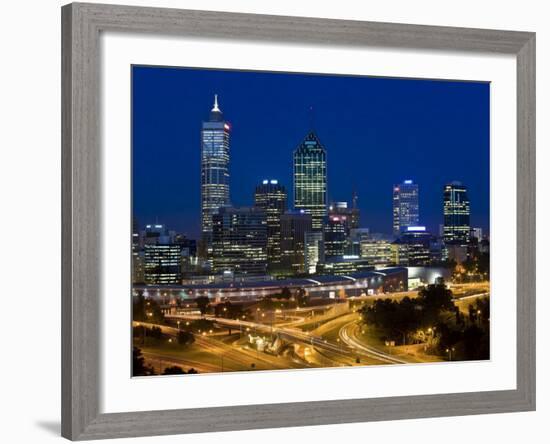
point(82, 25)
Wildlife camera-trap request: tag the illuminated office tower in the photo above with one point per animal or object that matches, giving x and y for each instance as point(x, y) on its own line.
point(456, 214)
point(239, 240)
point(310, 179)
point(376, 251)
point(161, 256)
point(294, 226)
point(214, 169)
point(405, 206)
point(314, 250)
point(271, 197)
point(476, 233)
point(162, 264)
point(413, 248)
point(355, 213)
point(344, 214)
point(335, 235)
point(137, 253)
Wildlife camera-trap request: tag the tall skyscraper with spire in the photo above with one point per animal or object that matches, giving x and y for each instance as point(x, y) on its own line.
point(214, 170)
point(310, 179)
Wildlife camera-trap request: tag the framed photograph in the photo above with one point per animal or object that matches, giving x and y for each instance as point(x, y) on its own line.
point(278, 221)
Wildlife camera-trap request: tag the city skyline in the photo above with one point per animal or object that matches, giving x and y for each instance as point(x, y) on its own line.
point(289, 268)
point(158, 203)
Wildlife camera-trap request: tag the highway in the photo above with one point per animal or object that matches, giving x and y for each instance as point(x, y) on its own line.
point(220, 356)
point(351, 349)
point(348, 334)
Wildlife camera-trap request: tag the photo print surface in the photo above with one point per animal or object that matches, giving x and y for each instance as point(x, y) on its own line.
point(285, 221)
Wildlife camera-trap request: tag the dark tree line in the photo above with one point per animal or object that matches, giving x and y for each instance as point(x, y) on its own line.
point(434, 311)
point(147, 310)
point(140, 369)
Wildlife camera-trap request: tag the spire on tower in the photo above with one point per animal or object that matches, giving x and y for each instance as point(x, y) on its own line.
point(311, 119)
point(216, 108)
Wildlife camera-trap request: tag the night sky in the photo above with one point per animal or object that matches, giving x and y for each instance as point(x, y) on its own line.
point(377, 132)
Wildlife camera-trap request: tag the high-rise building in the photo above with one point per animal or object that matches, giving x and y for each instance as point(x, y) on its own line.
point(271, 197)
point(336, 236)
point(310, 179)
point(355, 213)
point(413, 248)
point(476, 233)
point(162, 264)
point(162, 258)
point(294, 226)
point(343, 213)
point(376, 251)
point(456, 213)
point(314, 250)
point(137, 254)
point(189, 260)
point(214, 170)
point(343, 265)
point(356, 236)
point(239, 240)
point(405, 206)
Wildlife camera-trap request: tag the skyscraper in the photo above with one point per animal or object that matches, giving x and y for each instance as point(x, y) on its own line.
point(214, 169)
point(162, 264)
point(314, 250)
point(355, 213)
point(271, 197)
point(294, 226)
point(456, 214)
point(335, 235)
point(405, 206)
point(161, 256)
point(239, 240)
point(413, 248)
point(344, 214)
point(137, 253)
point(310, 179)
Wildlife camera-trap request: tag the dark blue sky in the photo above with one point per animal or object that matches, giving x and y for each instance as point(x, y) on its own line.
point(377, 132)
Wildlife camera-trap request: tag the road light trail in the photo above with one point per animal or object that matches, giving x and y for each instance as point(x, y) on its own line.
point(369, 351)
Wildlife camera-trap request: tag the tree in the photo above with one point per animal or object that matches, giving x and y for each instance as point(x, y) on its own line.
point(185, 338)
point(397, 320)
point(301, 296)
point(436, 297)
point(174, 370)
point(141, 331)
point(285, 293)
point(203, 303)
point(177, 370)
point(147, 310)
point(476, 343)
point(138, 364)
point(229, 310)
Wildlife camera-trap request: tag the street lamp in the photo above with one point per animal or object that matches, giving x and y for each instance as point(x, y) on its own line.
point(450, 351)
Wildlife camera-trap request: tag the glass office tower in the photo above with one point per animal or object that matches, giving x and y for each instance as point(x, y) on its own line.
point(310, 180)
point(456, 213)
point(239, 241)
point(271, 197)
point(405, 206)
point(294, 226)
point(214, 169)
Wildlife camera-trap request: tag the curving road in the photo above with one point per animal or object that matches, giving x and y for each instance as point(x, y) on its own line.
point(348, 334)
